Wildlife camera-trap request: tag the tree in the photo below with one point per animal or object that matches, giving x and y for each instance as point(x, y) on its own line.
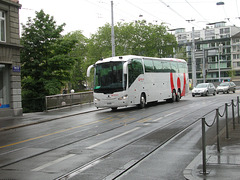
point(78, 71)
point(45, 60)
point(181, 53)
point(137, 38)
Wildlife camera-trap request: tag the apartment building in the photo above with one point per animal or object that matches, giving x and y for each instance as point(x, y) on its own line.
point(216, 42)
point(10, 67)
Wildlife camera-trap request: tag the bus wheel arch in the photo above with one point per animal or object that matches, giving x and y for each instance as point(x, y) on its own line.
point(143, 101)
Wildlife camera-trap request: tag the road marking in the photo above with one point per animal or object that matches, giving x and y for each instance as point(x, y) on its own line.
point(171, 114)
point(165, 116)
point(112, 138)
point(157, 119)
point(56, 132)
point(83, 169)
point(145, 120)
point(128, 120)
point(53, 162)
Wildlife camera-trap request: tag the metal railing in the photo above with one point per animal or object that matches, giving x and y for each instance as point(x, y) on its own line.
point(64, 100)
point(216, 120)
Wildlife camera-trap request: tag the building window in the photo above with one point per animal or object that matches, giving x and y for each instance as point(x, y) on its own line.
point(237, 40)
point(225, 31)
point(2, 26)
point(4, 86)
point(236, 56)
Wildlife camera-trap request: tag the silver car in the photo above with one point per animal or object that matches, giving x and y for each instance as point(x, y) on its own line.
point(203, 89)
point(226, 87)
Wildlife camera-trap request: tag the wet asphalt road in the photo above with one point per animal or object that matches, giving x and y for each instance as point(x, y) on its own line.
point(131, 143)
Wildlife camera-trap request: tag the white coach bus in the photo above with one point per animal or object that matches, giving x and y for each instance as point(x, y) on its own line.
point(136, 80)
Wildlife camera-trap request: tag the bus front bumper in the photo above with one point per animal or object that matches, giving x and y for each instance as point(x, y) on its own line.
point(108, 103)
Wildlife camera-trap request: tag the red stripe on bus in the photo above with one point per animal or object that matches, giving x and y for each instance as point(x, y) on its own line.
point(172, 83)
point(184, 85)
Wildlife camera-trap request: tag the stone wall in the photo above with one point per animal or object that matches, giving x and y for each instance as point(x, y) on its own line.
point(10, 55)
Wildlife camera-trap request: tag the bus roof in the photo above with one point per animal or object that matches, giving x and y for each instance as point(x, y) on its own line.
point(129, 57)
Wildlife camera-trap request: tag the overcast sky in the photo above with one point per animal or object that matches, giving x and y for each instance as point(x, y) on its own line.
point(88, 15)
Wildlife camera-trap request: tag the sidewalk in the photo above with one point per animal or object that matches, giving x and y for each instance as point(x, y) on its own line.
point(220, 166)
point(41, 117)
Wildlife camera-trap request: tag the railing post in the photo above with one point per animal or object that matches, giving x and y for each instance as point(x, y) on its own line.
point(226, 111)
point(204, 163)
point(233, 116)
point(218, 144)
point(238, 108)
point(46, 103)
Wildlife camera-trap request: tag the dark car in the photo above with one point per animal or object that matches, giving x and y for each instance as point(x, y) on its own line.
point(226, 87)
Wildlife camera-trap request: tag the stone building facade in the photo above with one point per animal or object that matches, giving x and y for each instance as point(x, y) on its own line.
point(10, 67)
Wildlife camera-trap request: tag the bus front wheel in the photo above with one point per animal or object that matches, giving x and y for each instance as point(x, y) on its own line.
point(142, 101)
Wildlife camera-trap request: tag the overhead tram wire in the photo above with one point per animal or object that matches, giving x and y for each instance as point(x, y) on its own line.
point(107, 7)
point(196, 11)
point(237, 10)
point(168, 6)
point(226, 15)
point(172, 10)
point(134, 5)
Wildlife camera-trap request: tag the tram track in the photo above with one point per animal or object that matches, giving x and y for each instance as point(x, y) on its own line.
point(119, 172)
point(113, 151)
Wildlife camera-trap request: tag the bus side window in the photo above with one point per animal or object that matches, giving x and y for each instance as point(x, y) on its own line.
point(135, 68)
point(181, 67)
point(158, 66)
point(148, 64)
point(166, 66)
point(174, 66)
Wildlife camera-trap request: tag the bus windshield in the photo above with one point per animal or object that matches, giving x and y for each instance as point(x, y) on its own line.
point(109, 77)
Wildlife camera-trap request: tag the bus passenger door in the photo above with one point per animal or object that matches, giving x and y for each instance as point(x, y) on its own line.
point(135, 81)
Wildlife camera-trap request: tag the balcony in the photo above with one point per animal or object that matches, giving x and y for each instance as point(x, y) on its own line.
point(223, 65)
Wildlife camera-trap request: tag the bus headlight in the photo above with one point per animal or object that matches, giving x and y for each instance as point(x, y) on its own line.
point(123, 97)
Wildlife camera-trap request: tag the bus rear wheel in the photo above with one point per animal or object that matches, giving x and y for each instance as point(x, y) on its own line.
point(142, 101)
point(178, 96)
point(114, 108)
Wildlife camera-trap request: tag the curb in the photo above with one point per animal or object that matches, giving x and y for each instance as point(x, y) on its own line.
point(46, 120)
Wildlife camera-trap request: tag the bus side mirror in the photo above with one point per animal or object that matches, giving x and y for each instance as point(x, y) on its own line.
point(89, 70)
point(125, 65)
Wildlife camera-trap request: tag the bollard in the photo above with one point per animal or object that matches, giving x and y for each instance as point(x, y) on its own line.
point(226, 115)
point(204, 163)
point(233, 114)
point(218, 144)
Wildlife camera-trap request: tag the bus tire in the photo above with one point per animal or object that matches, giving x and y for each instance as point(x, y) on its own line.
point(142, 101)
point(114, 108)
point(174, 96)
point(178, 96)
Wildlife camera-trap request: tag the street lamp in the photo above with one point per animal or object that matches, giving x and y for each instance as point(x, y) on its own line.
point(220, 48)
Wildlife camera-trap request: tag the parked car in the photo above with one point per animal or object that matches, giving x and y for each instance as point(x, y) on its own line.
point(204, 89)
point(226, 87)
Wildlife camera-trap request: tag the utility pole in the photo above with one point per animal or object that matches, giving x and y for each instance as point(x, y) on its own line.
point(220, 49)
point(204, 65)
point(193, 60)
point(112, 32)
